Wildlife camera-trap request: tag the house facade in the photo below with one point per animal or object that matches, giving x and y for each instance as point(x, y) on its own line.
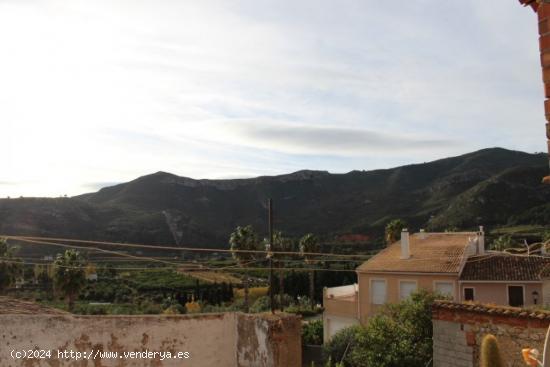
point(504, 279)
point(454, 264)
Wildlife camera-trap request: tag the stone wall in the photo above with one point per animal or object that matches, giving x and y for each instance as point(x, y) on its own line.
point(228, 339)
point(459, 328)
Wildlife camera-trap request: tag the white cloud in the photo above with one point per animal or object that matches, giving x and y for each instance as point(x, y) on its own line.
point(105, 91)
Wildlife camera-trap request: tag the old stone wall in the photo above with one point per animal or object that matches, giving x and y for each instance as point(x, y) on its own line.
point(228, 339)
point(459, 328)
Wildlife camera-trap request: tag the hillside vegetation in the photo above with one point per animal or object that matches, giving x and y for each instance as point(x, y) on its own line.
point(493, 187)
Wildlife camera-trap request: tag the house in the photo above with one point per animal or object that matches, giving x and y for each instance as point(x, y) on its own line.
point(454, 264)
point(341, 309)
point(504, 279)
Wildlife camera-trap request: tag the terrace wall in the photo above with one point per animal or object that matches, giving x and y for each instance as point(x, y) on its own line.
point(228, 339)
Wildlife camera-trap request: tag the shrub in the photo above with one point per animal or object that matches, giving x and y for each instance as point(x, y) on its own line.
point(149, 308)
point(400, 335)
point(312, 333)
point(254, 292)
point(341, 344)
point(262, 304)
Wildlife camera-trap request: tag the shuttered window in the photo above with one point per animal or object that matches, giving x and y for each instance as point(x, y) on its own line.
point(378, 291)
point(445, 288)
point(406, 288)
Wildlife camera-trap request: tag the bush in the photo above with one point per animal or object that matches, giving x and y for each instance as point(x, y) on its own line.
point(174, 310)
point(149, 308)
point(262, 304)
point(400, 335)
point(253, 293)
point(304, 311)
point(341, 344)
point(312, 333)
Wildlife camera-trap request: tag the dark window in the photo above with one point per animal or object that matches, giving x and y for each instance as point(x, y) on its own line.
point(468, 294)
point(515, 295)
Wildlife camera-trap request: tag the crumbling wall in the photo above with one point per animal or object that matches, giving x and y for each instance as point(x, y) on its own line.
point(268, 341)
point(220, 340)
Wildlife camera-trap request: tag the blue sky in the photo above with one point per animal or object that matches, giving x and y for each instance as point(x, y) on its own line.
point(97, 92)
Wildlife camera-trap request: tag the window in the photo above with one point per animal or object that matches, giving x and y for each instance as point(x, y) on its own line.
point(378, 291)
point(406, 287)
point(445, 288)
point(515, 295)
point(468, 294)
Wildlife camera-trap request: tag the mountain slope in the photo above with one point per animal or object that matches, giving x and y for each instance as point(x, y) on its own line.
point(491, 187)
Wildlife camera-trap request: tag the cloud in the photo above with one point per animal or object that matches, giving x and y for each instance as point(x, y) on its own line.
point(114, 90)
point(324, 140)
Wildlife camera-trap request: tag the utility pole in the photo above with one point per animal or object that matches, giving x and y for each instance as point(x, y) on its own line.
point(270, 253)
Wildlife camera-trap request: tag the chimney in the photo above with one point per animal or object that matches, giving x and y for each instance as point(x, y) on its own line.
point(405, 250)
point(481, 241)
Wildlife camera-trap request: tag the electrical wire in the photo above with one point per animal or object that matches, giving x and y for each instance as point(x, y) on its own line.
point(172, 248)
point(15, 261)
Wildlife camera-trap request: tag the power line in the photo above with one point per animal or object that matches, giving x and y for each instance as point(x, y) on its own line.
point(172, 248)
point(93, 249)
point(179, 269)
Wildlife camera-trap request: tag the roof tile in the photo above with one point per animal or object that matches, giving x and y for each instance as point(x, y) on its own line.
point(504, 267)
point(435, 253)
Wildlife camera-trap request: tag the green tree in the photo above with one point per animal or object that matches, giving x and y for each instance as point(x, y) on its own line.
point(244, 239)
point(339, 346)
point(281, 244)
point(400, 335)
point(69, 275)
point(503, 243)
point(393, 230)
point(43, 275)
point(10, 267)
point(308, 245)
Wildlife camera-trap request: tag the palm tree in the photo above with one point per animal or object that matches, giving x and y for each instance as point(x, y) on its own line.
point(393, 230)
point(10, 267)
point(69, 275)
point(308, 245)
point(244, 239)
point(281, 244)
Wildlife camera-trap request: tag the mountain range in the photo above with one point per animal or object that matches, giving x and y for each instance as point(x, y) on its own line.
point(492, 187)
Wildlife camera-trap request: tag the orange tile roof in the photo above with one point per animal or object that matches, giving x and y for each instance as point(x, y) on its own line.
point(436, 253)
point(516, 312)
point(505, 267)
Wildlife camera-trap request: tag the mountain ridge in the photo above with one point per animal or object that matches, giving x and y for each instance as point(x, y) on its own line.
point(493, 187)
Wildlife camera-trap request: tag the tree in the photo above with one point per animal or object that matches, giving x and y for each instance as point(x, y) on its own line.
point(69, 275)
point(244, 239)
point(393, 230)
point(503, 243)
point(43, 275)
point(10, 267)
point(281, 244)
point(400, 335)
point(308, 245)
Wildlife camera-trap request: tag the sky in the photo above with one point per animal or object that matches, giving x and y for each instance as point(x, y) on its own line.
point(94, 93)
